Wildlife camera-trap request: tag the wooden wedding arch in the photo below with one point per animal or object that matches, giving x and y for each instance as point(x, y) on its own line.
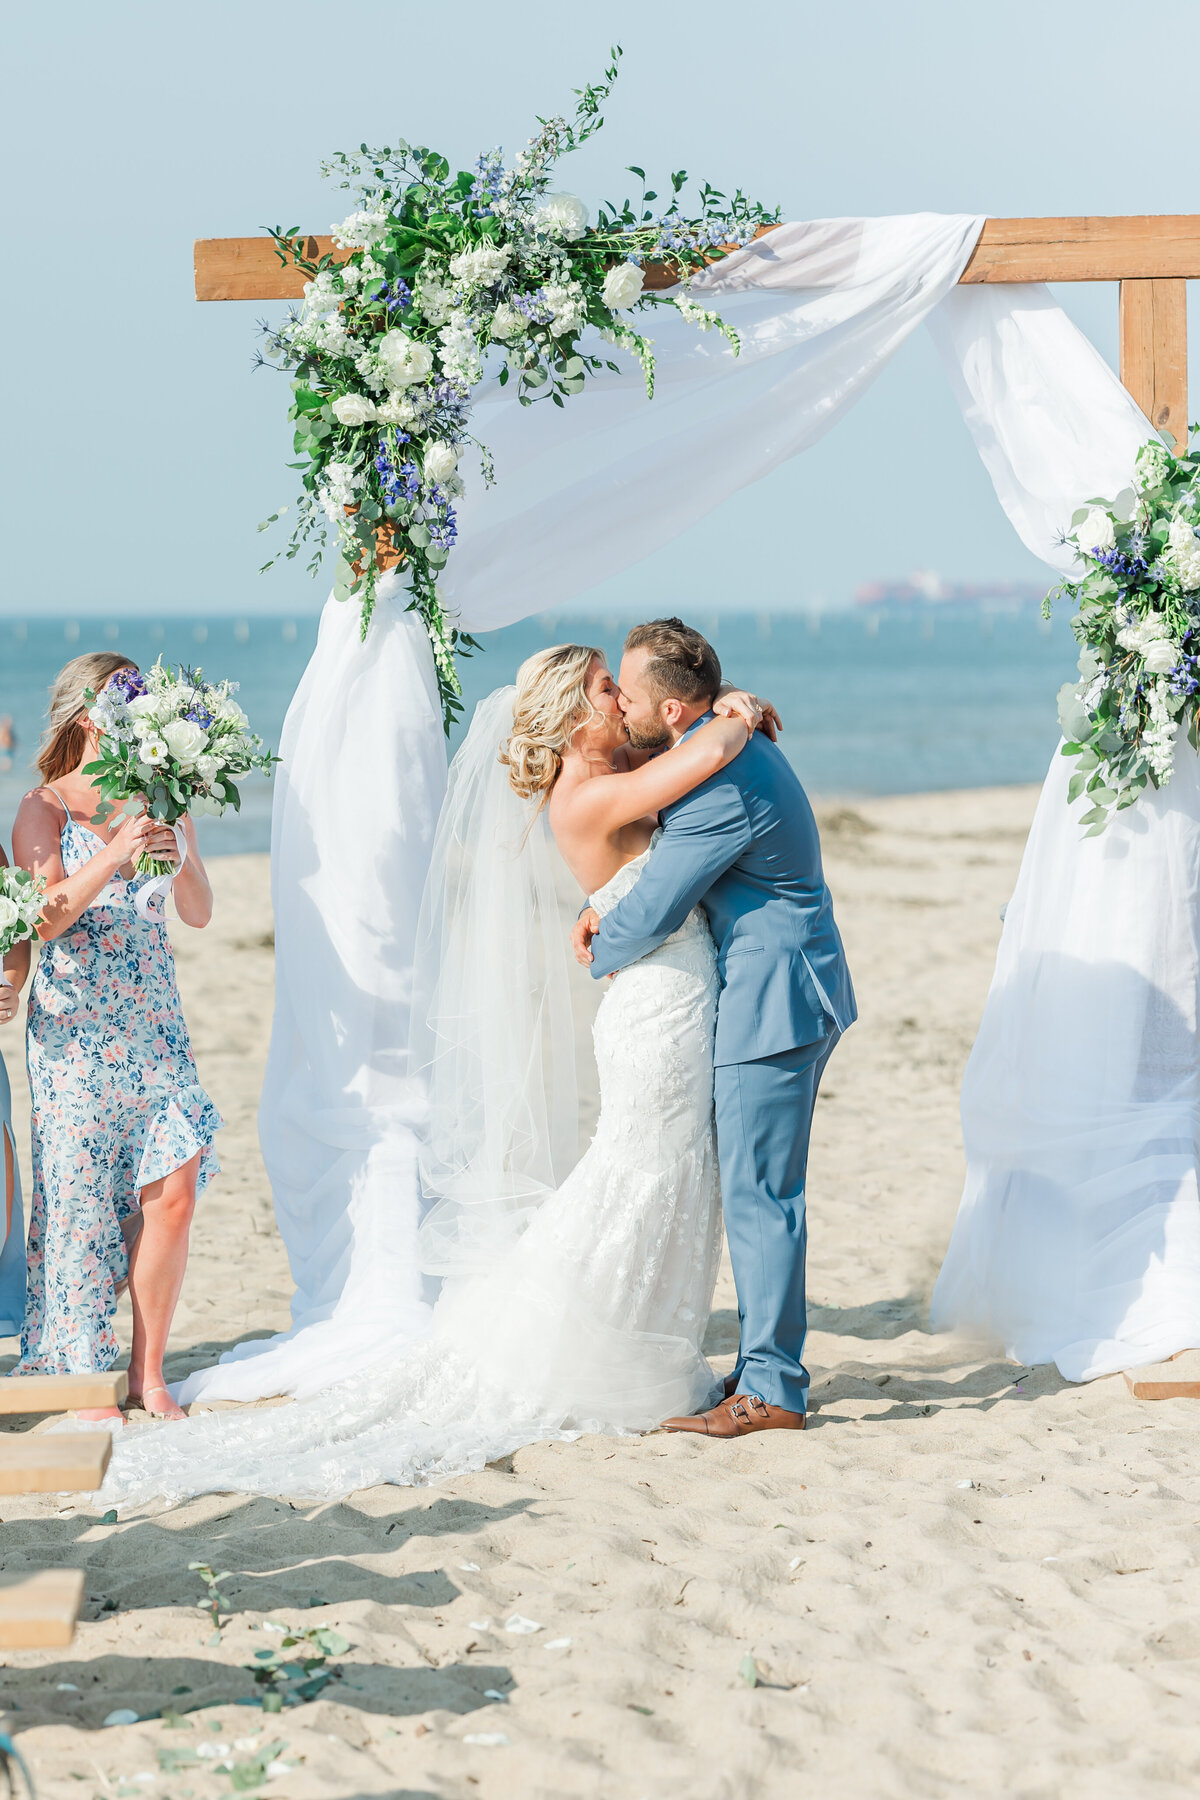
point(1152, 256)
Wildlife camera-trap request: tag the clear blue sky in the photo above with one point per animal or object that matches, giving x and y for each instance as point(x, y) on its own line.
point(140, 451)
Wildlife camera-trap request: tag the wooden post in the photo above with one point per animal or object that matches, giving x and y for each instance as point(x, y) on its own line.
point(1154, 351)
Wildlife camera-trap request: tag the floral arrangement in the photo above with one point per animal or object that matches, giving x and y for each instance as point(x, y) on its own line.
point(173, 741)
point(1138, 626)
point(21, 897)
point(436, 277)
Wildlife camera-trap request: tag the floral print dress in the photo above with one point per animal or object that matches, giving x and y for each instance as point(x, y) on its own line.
point(116, 1104)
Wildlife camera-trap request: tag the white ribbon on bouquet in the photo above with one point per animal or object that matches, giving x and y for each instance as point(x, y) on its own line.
point(162, 884)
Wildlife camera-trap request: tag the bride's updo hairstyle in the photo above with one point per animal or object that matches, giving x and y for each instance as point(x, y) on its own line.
point(550, 706)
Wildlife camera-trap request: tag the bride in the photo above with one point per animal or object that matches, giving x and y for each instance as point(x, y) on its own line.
point(568, 1305)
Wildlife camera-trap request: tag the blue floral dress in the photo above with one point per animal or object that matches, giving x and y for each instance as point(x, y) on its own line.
point(12, 1234)
point(116, 1104)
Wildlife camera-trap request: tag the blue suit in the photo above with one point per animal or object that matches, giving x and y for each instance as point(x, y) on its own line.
point(745, 847)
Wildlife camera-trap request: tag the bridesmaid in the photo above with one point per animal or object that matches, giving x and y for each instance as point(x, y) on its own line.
point(12, 1231)
point(122, 1131)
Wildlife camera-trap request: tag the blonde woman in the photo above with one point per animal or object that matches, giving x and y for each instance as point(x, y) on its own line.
point(12, 1232)
point(573, 1301)
point(122, 1131)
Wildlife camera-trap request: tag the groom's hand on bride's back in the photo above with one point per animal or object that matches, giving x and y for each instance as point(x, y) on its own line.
point(583, 931)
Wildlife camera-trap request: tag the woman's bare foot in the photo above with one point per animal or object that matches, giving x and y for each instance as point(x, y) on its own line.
point(170, 1411)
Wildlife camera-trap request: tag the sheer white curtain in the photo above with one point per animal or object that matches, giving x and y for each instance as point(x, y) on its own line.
point(582, 493)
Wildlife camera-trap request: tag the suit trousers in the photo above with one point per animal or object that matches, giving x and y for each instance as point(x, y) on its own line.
point(764, 1117)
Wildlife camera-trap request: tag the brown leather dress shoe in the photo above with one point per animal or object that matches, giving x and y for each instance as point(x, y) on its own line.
point(738, 1417)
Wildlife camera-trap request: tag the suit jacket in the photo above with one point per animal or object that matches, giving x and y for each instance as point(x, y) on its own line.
point(745, 847)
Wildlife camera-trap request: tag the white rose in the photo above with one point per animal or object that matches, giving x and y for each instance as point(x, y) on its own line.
point(153, 752)
point(1160, 656)
point(440, 461)
point(507, 322)
point(1136, 633)
point(403, 360)
point(9, 913)
point(562, 215)
point(353, 409)
point(143, 706)
point(1096, 532)
point(185, 739)
point(207, 767)
point(623, 286)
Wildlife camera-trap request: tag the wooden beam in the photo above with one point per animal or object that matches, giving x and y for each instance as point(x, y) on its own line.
point(1087, 249)
point(60, 1393)
point(1154, 352)
point(249, 269)
point(1146, 246)
point(71, 1464)
point(39, 1612)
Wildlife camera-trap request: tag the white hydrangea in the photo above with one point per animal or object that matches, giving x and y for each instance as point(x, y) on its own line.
point(432, 297)
point(623, 286)
point(1097, 531)
point(460, 353)
point(354, 409)
point(482, 266)
point(397, 409)
point(323, 294)
point(1153, 464)
point(566, 304)
point(508, 323)
point(339, 490)
point(360, 231)
point(562, 216)
point(1184, 554)
point(402, 359)
point(329, 335)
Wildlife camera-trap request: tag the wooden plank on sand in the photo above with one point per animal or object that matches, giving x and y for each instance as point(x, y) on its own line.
point(39, 1613)
point(68, 1464)
point(1176, 1379)
point(61, 1393)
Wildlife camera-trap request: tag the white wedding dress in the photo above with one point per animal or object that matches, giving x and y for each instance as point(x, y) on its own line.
point(590, 1321)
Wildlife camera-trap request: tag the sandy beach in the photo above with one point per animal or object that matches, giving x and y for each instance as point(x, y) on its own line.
point(965, 1576)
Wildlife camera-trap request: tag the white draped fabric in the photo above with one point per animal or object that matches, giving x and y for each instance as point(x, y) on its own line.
point(359, 788)
point(582, 493)
point(1078, 1239)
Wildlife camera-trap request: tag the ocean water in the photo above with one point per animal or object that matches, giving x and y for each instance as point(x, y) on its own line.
point(873, 701)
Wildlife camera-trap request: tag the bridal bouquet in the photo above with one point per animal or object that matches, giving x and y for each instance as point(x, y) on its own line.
point(21, 896)
point(173, 740)
point(433, 276)
point(1138, 625)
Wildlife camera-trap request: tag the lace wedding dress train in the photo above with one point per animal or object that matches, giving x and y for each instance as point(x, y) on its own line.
point(592, 1321)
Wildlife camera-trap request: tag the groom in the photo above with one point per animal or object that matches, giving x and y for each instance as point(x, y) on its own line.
point(745, 847)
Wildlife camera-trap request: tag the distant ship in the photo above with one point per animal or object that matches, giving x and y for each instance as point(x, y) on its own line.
point(926, 588)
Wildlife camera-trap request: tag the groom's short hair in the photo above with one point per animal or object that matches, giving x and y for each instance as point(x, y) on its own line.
point(683, 665)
